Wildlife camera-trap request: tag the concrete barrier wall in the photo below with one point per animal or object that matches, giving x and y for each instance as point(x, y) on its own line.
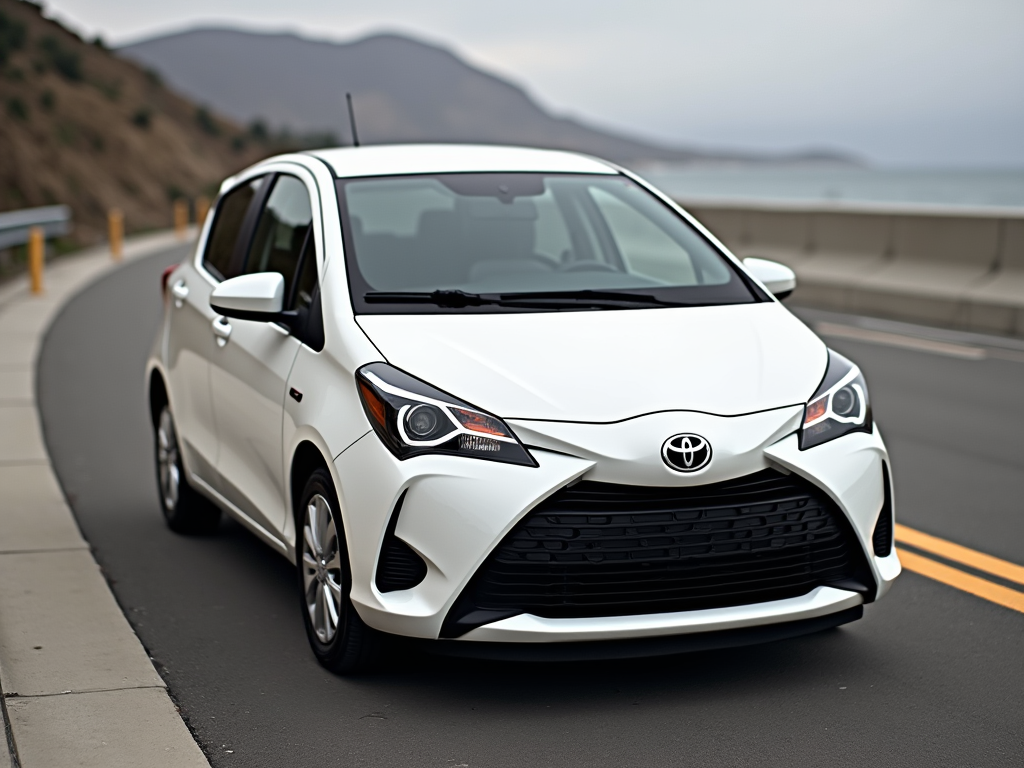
point(951, 266)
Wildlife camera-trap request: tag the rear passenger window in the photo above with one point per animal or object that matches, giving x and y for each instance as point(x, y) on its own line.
point(283, 232)
point(220, 247)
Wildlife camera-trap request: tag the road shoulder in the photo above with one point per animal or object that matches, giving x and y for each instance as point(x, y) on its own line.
point(78, 687)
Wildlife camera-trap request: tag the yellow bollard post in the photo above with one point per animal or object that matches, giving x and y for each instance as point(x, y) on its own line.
point(202, 209)
point(36, 246)
point(180, 218)
point(115, 229)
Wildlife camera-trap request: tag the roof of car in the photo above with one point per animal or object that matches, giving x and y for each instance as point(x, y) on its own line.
point(400, 159)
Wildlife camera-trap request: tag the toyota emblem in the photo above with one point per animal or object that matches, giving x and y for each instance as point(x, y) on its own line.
point(686, 452)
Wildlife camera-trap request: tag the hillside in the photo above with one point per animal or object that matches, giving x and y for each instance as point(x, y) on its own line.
point(403, 89)
point(82, 126)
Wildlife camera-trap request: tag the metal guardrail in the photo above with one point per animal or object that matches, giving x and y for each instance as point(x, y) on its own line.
point(54, 220)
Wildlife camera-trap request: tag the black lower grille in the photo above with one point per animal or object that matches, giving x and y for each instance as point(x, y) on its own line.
point(597, 549)
point(399, 566)
point(881, 539)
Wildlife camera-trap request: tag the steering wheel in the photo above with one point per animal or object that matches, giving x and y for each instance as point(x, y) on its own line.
point(588, 265)
point(547, 261)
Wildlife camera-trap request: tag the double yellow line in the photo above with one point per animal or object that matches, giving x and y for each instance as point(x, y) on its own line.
point(954, 577)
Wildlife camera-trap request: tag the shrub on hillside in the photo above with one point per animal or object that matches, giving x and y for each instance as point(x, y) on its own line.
point(206, 121)
point(17, 108)
point(258, 130)
point(66, 62)
point(143, 117)
point(12, 36)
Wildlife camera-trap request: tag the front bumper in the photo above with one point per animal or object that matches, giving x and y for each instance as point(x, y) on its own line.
point(454, 511)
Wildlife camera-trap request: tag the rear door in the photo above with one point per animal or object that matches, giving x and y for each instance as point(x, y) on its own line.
point(250, 368)
point(191, 343)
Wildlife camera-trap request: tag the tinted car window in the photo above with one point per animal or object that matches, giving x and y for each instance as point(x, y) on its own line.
point(219, 258)
point(282, 233)
point(500, 235)
point(305, 284)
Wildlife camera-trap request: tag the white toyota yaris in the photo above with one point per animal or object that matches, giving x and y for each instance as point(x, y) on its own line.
point(512, 401)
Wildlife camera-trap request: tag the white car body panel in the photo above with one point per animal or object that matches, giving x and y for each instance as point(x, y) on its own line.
point(190, 346)
point(850, 470)
point(629, 452)
point(525, 628)
point(725, 360)
point(594, 395)
point(457, 158)
point(454, 512)
point(248, 377)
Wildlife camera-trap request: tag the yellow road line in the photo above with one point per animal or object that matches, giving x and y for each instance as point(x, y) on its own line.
point(1008, 598)
point(958, 554)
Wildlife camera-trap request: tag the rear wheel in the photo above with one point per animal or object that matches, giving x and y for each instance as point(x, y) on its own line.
point(184, 509)
point(340, 640)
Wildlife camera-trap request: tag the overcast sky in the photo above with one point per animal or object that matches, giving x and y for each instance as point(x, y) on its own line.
point(898, 82)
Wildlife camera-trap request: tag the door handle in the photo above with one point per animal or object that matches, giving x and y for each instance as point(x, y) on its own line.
point(180, 292)
point(221, 329)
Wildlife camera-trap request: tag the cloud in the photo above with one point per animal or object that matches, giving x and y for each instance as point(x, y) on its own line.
point(901, 81)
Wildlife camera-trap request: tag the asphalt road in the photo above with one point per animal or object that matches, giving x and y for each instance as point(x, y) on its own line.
point(931, 675)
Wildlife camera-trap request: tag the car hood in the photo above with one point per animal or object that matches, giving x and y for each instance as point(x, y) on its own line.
point(603, 366)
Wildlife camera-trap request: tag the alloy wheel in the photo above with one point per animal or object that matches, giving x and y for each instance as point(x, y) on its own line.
point(168, 466)
point(321, 568)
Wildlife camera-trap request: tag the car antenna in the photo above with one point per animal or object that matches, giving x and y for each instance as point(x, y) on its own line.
point(352, 120)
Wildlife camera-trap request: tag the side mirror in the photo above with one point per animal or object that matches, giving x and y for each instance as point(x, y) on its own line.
point(258, 296)
point(779, 279)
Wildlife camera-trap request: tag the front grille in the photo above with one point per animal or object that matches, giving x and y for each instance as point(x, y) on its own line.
point(597, 549)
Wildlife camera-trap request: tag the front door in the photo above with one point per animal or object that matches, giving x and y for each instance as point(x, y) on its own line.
point(249, 370)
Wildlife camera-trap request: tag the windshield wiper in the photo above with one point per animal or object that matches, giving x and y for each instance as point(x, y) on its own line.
point(454, 298)
point(588, 296)
point(536, 300)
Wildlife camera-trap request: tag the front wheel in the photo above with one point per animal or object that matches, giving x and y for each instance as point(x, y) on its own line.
point(184, 509)
point(340, 640)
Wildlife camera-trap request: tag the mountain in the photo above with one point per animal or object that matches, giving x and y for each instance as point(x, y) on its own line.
point(81, 126)
point(403, 90)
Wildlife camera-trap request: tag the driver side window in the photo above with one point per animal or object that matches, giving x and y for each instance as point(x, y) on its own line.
point(283, 241)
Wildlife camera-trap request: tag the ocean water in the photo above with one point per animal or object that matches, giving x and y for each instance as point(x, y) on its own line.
point(979, 188)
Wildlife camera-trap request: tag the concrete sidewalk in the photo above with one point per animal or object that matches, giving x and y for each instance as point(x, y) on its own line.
point(78, 687)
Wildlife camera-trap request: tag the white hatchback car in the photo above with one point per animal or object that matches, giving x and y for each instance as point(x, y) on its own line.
point(512, 402)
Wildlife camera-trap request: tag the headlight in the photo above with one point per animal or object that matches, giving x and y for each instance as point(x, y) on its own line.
point(840, 405)
point(413, 418)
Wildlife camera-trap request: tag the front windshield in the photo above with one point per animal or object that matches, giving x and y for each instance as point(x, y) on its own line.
point(516, 234)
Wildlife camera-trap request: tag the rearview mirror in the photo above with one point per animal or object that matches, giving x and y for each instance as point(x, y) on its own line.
point(779, 279)
point(258, 296)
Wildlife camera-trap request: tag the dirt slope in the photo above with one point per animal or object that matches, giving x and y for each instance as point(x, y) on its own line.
point(80, 126)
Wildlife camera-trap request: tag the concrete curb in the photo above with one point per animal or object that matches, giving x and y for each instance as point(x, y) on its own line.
point(78, 687)
point(948, 266)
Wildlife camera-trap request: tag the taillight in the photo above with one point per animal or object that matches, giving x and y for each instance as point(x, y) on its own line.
point(165, 277)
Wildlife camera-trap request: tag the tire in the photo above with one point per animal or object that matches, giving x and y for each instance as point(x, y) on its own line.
point(340, 640)
point(185, 510)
